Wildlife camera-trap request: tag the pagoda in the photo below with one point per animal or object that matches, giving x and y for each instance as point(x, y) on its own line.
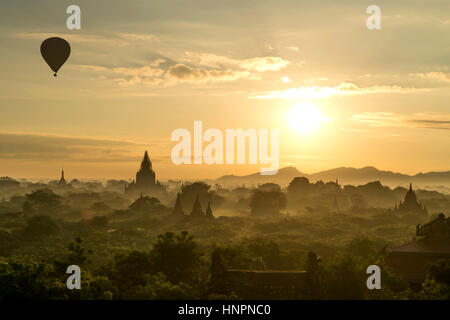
point(410, 204)
point(145, 182)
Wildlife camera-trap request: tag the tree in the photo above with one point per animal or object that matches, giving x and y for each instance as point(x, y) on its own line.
point(98, 222)
point(345, 279)
point(158, 288)
point(42, 201)
point(362, 247)
point(314, 278)
point(7, 243)
point(266, 201)
point(20, 281)
point(190, 191)
point(176, 256)
point(76, 254)
point(217, 272)
point(146, 204)
point(41, 226)
point(267, 251)
point(130, 269)
point(437, 283)
point(298, 187)
point(440, 271)
point(267, 187)
point(100, 207)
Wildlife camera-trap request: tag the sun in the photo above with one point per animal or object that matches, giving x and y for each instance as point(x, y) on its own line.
point(305, 118)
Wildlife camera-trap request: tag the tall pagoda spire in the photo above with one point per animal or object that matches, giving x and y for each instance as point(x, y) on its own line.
point(209, 213)
point(178, 208)
point(197, 211)
point(62, 180)
point(146, 164)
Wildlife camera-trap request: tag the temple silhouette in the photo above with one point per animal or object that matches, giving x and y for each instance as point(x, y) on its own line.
point(61, 184)
point(145, 182)
point(432, 243)
point(178, 208)
point(197, 211)
point(62, 181)
point(410, 204)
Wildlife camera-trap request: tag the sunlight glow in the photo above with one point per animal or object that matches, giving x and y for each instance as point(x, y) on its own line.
point(306, 117)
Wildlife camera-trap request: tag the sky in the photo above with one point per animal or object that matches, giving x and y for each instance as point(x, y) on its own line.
point(141, 69)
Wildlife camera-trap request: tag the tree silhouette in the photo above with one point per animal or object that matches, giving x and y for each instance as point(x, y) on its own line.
point(267, 200)
point(176, 256)
point(43, 201)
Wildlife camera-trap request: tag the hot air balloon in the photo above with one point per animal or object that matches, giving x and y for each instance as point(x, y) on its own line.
point(55, 52)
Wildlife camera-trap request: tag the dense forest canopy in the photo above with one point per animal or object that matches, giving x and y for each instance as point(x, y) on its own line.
point(138, 248)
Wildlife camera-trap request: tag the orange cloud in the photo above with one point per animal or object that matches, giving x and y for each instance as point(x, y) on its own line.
point(343, 89)
point(417, 120)
point(438, 76)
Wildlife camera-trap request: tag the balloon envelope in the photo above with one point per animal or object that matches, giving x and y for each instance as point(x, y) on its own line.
point(55, 52)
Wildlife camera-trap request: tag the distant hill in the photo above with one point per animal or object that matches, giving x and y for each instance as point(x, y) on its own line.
point(360, 176)
point(283, 177)
point(345, 175)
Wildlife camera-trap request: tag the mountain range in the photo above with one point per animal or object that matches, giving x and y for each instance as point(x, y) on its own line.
point(344, 175)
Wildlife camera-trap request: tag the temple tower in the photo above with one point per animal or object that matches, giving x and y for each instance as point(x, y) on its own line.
point(197, 211)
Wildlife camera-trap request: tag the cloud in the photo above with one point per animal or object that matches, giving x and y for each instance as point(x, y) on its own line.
point(418, 120)
point(127, 76)
point(184, 73)
point(179, 73)
point(92, 68)
point(257, 64)
point(22, 146)
point(437, 76)
point(378, 119)
point(137, 36)
point(264, 64)
point(431, 121)
point(128, 82)
point(343, 89)
point(207, 60)
point(213, 68)
point(145, 71)
point(189, 68)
